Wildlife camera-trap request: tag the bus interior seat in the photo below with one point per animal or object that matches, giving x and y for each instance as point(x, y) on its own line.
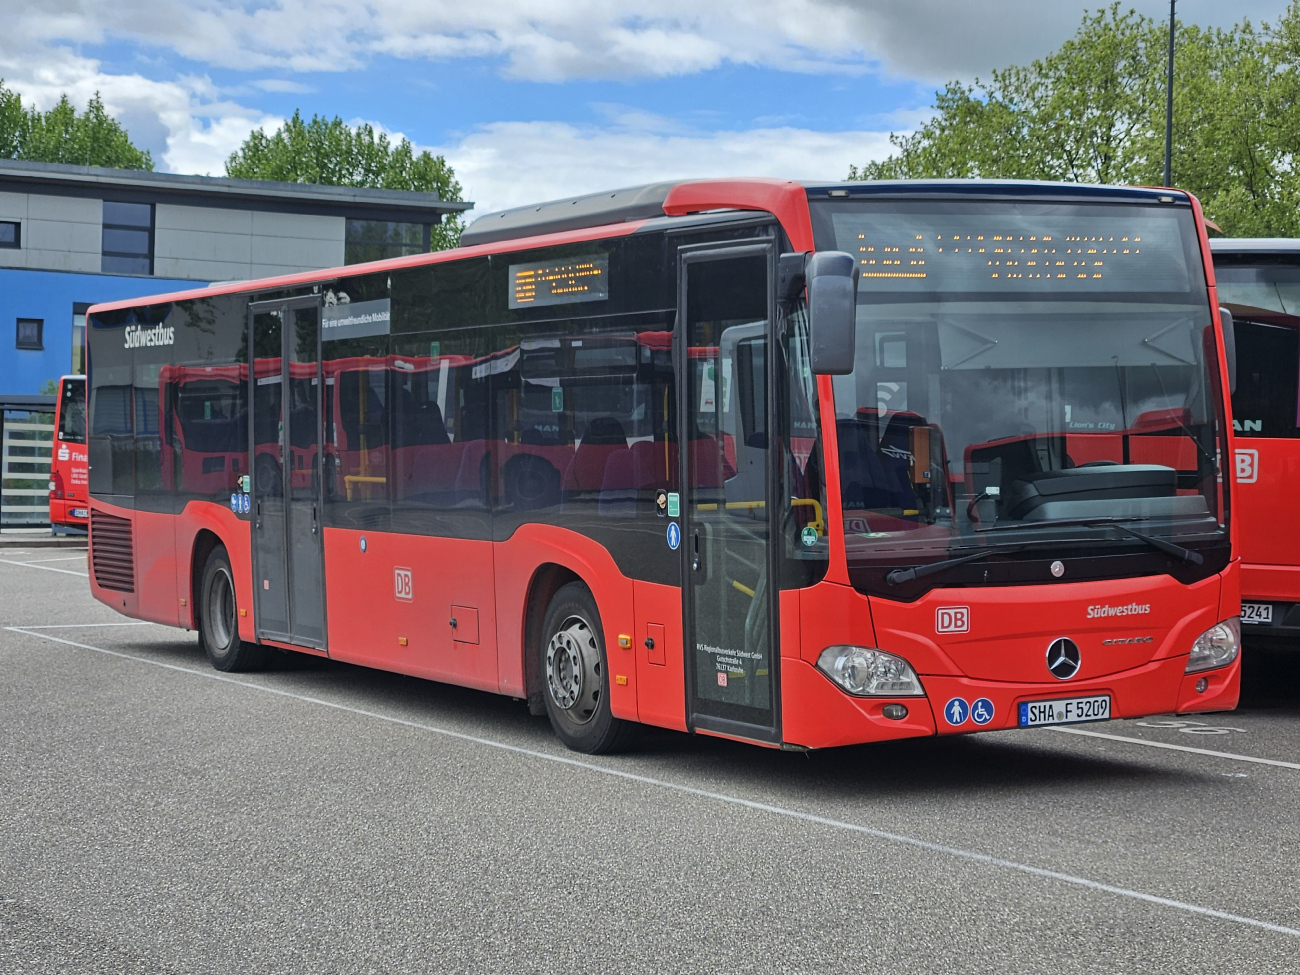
point(603, 437)
point(869, 478)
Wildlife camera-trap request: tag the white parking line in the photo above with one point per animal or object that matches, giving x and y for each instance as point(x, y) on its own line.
point(1177, 748)
point(62, 558)
point(78, 626)
point(896, 838)
point(47, 568)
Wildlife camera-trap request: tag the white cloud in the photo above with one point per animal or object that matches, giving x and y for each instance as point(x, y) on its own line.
point(509, 164)
point(556, 40)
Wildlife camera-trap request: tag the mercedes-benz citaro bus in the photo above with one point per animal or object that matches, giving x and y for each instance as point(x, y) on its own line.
point(1259, 283)
point(69, 502)
point(801, 465)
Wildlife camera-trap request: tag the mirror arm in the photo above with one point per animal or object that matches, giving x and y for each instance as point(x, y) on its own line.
point(790, 279)
point(1229, 347)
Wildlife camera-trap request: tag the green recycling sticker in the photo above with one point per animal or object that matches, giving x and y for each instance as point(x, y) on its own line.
point(808, 535)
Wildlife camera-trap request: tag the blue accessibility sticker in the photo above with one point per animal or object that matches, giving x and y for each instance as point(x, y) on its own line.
point(674, 536)
point(981, 711)
point(234, 503)
point(956, 711)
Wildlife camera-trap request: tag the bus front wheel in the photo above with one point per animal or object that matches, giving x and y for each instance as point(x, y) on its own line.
point(575, 675)
point(219, 619)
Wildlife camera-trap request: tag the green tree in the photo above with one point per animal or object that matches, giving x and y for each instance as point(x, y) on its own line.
point(64, 135)
point(1094, 111)
point(331, 152)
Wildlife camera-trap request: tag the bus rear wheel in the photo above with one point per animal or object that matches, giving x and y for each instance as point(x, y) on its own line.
point(575, 675)
point(219, 619)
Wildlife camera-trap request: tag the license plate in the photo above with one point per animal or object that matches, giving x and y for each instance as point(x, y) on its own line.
point(1257, 612)
point(1066, 710)
point(79, 512)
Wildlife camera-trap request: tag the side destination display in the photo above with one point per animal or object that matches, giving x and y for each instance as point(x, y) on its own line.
point(561, 282)
point(354, 320)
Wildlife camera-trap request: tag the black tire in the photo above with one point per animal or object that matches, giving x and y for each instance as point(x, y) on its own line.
point(219, 621)
point(575, 675)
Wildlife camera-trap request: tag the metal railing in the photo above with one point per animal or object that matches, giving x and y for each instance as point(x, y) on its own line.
point(26, 444)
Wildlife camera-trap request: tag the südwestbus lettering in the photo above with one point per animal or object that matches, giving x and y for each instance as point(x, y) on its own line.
point(1129, 609)
point(137, 336)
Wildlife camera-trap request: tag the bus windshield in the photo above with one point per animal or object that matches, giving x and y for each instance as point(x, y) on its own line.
point(1024, 372)
point(72, 410)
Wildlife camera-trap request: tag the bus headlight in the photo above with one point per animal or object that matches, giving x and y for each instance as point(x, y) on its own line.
point(867, 672)
point(1216, 647)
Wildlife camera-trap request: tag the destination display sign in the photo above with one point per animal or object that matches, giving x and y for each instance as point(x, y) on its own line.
point(559, 282)
point(1017, 253)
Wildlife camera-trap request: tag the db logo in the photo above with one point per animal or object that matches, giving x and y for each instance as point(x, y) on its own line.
point(1247, 466)
point(952, 619)
point(402, 583)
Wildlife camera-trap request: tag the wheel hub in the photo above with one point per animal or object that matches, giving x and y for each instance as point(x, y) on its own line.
point(573, 669)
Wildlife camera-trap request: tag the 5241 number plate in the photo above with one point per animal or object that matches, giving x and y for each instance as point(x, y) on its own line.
point(1257, 612)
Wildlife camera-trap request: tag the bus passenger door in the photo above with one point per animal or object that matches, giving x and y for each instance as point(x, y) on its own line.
point(285, 396)
point(725, 307)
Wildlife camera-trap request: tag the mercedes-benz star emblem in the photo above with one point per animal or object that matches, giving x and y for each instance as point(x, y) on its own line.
point(1063, 658)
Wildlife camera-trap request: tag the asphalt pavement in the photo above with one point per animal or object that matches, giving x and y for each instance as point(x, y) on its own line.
point(156, 816)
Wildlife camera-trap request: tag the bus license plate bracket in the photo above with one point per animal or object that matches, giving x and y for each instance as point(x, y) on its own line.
point(1064, 710)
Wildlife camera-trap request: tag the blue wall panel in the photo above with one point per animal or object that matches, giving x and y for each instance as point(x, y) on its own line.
point(50, 295)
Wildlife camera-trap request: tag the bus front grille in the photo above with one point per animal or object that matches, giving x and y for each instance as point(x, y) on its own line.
point(111, 556)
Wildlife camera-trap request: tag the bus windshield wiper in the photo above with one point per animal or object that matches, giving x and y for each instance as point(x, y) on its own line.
point(1184, 555)
point(899, 576)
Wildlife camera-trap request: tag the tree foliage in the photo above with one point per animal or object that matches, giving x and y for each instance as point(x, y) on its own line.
point(330, 152)
point(1094, 111)
point(64, 135)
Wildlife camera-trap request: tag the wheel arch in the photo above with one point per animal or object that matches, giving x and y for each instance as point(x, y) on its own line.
point(205, 541)
point(548, 579)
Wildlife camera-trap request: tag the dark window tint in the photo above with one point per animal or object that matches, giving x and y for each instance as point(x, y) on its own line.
point(128, 214)
point(1267, 401)
point(212, 417)
point(127, 243)
point(30, 334)
point(72, 411)
point(376, 240)
point(111, 467)
point(10, 233)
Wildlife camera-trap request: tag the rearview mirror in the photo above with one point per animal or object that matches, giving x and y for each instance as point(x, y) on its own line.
point(832, 311)
point(1229, 347)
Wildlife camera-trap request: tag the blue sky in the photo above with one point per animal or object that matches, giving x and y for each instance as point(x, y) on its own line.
point(534, 99)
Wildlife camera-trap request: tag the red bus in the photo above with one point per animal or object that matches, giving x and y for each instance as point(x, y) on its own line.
point(69, 500)
point(1259, 283)
point(800, 465)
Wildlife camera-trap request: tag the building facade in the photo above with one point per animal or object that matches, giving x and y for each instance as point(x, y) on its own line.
point(71, 236)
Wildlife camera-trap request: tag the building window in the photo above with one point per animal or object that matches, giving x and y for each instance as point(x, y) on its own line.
point(79, 309)
point(11, 233)
point(30, 334)
point(128, 238)
point(377, 240)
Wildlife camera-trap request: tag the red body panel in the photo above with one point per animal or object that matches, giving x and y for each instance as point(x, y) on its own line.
point(368, 621)
point(1267, 472)
point(660, 670)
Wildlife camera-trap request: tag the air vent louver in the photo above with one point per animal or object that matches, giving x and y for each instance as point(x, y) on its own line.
point(111, 555)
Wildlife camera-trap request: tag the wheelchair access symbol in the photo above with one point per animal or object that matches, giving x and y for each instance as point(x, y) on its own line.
point(674, 536)
point(981, 711)
point(956, 711)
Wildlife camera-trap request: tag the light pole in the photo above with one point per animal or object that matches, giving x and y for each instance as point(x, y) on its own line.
point(1169, 102)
